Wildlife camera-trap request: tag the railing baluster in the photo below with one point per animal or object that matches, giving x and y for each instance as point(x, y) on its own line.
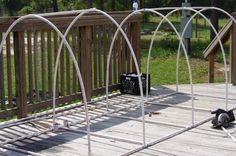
point(36, 73)
point(62, 71)
point(9, 72)
point(114, 60)
point(100, 56)
point(30, 67)
point(74, 47)
point(50, 72)
point(95, 57)
point(55, 40)
point(2, 85)
point(43, 64)
point(109, 42)
point(128, 58)
point(105, 52)
point(68, 92)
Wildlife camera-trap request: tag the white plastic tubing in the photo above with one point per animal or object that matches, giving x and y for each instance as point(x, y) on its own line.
point(71, 54)
point(179, 37)
point(119, 28)
point(180, 45)
point(81, 82)
point(82, 12)
point(218, 38)
point(174, 9)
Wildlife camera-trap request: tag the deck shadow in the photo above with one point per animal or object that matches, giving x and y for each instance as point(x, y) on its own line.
point(45, 142)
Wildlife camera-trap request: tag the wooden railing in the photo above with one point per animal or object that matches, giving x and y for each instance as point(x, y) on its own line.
point(28, 60)
point(228, 32)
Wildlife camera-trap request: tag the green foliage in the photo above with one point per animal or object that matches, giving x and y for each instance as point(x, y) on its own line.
point(20, 7)
point(25, 10)
point(71, 4)
point(40, 6)
point(12, 6)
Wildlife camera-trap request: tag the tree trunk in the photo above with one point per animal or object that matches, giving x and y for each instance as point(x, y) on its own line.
point(142, 4)
point(90, 3)
point(102, 5)
point(214, 18)
point(55, 6)
point(126, 4)
point(113, 3)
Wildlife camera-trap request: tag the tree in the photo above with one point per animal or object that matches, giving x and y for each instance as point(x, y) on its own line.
point(12, 6)
point(90, 3)
point(142, 3)
point(113, 4)
point(55, 6)
point(214, 18)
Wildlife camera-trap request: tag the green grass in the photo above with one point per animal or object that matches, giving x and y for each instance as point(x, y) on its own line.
point(163, 62)
point(163, 70)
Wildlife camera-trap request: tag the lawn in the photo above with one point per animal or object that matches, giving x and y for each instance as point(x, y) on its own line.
point(163, 61)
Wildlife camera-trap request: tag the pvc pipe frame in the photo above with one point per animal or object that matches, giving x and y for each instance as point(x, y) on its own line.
point(218, 38)
point(63, 37)
point(132, 52)
point(46, 115)
point(169, 136)
point(71, 54)
point(185, 52)
point(181, 43)
point(229, 134)
point(80, 78)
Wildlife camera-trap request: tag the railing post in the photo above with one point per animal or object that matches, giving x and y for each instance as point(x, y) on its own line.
point(19, 55)
point(135, 40)
point(86, 68)
point(211, 68)
point(233, 54)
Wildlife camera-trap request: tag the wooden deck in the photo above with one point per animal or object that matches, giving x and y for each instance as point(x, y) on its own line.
point(202, 140)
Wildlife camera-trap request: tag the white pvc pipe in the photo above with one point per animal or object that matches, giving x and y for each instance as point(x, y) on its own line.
point(135, 150)
point(67, 45)
point(177, 62)
point(69, 48)
point(150, 50)
point(80, 80)
point(129, 44)
point(219, 40)
point(178, 54)
point(229, 134)
point(157, 13)
point(136, 66)
point(172, 8)
point(186, 55)
point(105, 136)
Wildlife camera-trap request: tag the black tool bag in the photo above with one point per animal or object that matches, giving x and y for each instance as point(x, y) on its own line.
point(222, 118)
point(130, 84)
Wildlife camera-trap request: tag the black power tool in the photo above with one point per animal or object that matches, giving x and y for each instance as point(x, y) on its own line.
point(222, 118)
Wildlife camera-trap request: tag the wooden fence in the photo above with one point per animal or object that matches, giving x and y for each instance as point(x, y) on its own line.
point(28, 59)
point(228, 33)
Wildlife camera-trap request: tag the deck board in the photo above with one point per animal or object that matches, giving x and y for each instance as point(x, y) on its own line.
point(202, 140)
